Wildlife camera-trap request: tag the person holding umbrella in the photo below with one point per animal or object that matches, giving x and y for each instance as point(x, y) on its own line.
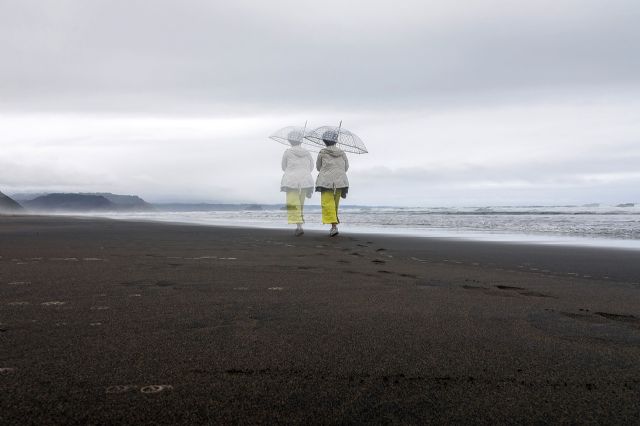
point(297, 182)
point(332, 182)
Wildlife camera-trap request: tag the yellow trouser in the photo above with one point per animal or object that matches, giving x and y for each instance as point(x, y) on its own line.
point(295, 205)
point(330, 201)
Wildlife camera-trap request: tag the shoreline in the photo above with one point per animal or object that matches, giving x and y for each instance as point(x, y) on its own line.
point(107, 321)
point(587, 261)
point(406, 232)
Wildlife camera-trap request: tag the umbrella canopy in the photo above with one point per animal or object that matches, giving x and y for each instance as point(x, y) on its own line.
point(344, 139)
point(293, 133)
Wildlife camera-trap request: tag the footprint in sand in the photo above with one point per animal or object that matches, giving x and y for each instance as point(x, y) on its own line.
point(121, 388)
point(602, 326)
point(506, 291)
point(378, 261)
point(508, 287)
point(7, 370)
point(534, 294)
point(53, 303)
point(434, 283)
point(474, 287)
point(156, 388)
point(619, 317)
point(522, 291)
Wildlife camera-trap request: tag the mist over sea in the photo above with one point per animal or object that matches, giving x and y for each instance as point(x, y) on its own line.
point(612, 226)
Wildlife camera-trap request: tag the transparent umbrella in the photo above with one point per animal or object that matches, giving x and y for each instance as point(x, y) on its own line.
point(289, 134)
point(346, 140)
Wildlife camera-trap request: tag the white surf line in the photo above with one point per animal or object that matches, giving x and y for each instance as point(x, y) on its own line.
point(53, 303)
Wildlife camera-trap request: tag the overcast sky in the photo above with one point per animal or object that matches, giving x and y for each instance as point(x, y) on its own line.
point(460, 103)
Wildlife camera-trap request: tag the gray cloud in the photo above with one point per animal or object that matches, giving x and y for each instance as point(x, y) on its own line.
point(458, 102)
point(211, 56)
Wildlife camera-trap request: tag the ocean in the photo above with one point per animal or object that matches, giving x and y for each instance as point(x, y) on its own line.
point(610, 226)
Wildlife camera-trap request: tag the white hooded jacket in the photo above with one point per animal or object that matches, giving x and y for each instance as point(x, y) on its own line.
point(332, 163)
point(297, 165)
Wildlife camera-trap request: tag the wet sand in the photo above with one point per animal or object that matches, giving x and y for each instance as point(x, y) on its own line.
point(107, 322)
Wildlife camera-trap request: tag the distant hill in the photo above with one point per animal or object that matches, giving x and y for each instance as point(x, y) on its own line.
point(20, 197)
point(87, 203)
point(126, 202)
point(8, 205)
point(70, 202)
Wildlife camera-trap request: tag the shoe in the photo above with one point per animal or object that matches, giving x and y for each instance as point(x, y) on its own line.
point(333, 232)
point(299, 232)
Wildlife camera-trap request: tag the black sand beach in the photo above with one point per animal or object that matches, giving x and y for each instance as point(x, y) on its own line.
point(107, 322)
